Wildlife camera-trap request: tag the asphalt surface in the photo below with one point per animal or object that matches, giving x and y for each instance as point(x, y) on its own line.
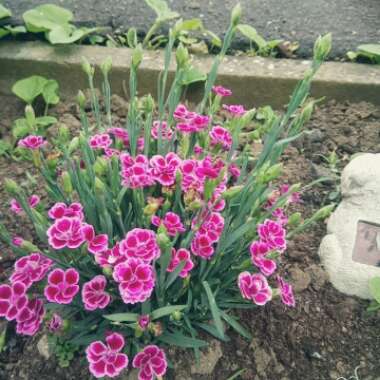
point(352, 22)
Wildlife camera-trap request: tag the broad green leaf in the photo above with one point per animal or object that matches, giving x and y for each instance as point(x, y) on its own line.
point(15, 30)
point(192, 24)
point(50, 92)
point(215, 40)
point(192, 75)
point(166, 310)
point(46, 17)
point(180, 340)
point(251, 33)
point(29, 88)
point(20, 128)
point(3, 32)
point(162, 10)
point(214, 309)
point(4, 12)
point(45, 121)
point(374, 288)
point(67, 35)
point(122, 317)
point(373, 49)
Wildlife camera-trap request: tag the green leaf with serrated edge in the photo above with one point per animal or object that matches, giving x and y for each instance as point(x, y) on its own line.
point(4, 12)
point(46, 17)
point(374, 288)
point(215, 312)
point(236, 325)
point(122, 317)
point(180, 340)
point(29, 88)
point(166, 310)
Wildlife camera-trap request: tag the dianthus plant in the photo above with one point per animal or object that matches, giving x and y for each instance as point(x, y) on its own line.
point(154, 231)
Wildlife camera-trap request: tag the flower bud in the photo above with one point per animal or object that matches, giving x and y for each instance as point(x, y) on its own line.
point(100, 166)
point(324, 212)
point(132, 37)
point(182, 56)
point(294, 220)
point(232, 191)
point(66, 183)
point(74, 144)
point(322, 47)
point(163, 240)
point(137, 56)
point(28, 246)
point(106, 66)
point(11, 186)
point(99, 186)
point(156, 328)
point(107, 271)
point(176, 316)
point(81, 99)
point(87, 68)
point(195, 205)
point(30, 116)
point(236, 14)
point(63, 133)
point(273, 172)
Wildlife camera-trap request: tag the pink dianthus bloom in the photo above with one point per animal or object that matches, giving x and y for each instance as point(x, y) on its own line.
point(30, 317)
point(190, 179)
point(235, 109)
point(136, 172)
point(94, 295)
point(234, 170)
point(286, 292)
point(12, 300)
point(136, 280)
point(30, 269)
point(95, 243)
point(273, 234)
point(179, 256)
point(143, 321)
point(294, 198)
point(62, 286)
point(66, 232)
point(141, 244)
point(181, 113)
point(259, 251)
point(173, 224)
point(100, 141)
point(110, 257)
point(110, 152)
point(107, 359)
point(221, 91)
point(280, 216)
point(164, 168)
point(202, 245)
point(33, 201)
point(209, 168)
point(151, 362)
point(17, 241)
point(59, 210)
point(119, 133)
point(254, 287)
point(163, 128)
point(32, 142)
point(220, 136)
point(55, 323)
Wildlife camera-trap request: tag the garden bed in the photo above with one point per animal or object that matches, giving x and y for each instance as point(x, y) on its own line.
point(325, 336)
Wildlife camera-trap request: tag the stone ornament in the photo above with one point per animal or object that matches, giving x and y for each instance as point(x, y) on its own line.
point(350, 252)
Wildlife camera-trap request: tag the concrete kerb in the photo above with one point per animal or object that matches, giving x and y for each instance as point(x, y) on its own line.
point(254, 81)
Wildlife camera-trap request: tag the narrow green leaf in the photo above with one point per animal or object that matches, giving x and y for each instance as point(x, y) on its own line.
point(122, 317)
point(180, 340)
point(214, 309)
point(212, 331)
point(236, 325)
point(166, 310)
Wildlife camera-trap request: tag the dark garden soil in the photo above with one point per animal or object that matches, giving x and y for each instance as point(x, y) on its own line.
point(327, 335)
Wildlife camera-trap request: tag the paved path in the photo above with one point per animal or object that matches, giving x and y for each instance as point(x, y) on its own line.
point(352, 22)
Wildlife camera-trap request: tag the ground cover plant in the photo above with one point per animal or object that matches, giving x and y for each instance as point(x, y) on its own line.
point(154, 232)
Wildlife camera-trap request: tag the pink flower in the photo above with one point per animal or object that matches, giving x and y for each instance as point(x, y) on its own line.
point(66, 232)
point(194, 124)
point(141, 244)
point(55, 323)
point(254, 287)
point(143, 321)
point(136, 280)
point(294, 198)
point(110, 152)
point(221, 91)
point(181, 113)
point(32, 201)
point(202, 245)
point(59, 210)
point(100, 141)
point(286, 292)
point(110, 258)
point(151, 361)
point(62, 286)
point(107, 359)
point(259, 250)
point(17, 241)
point(273, 234)
point(164, 168)
point(94, 295)
point(119, 133)
point(173, 224)
point(32, 142)
point(209, 168)
point(166, 132)
point(95, 243)
point(30, 317)
point(12, 300)
point(198, 149)
point(213, 222)
point(220, 136)
point(280, 216)
point(234, 170)
point(136, 172)
point(31, 269)
point(179, 256)
point(190, 180)
point(236, 110)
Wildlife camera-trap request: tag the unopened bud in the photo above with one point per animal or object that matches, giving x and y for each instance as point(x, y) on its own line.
point(232, 191)
point(74, 144)
point(107, 271)
point(236, 14)
point(28, 246)
point(66, 183)
point(182, 56)
point(106, 66)
point(137, 56)
point(30, 116)
point(87, 68)
point(81, 99)
point(273, 172)
point(11, 186)
point(100, 166)
point(163, 240)
point(99, 185)
point(322, 47)
point(324, 212)
point(294, 220)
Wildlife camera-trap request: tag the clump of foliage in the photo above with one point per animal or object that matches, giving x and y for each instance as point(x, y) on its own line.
point(157, 231)
point(367, 53)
